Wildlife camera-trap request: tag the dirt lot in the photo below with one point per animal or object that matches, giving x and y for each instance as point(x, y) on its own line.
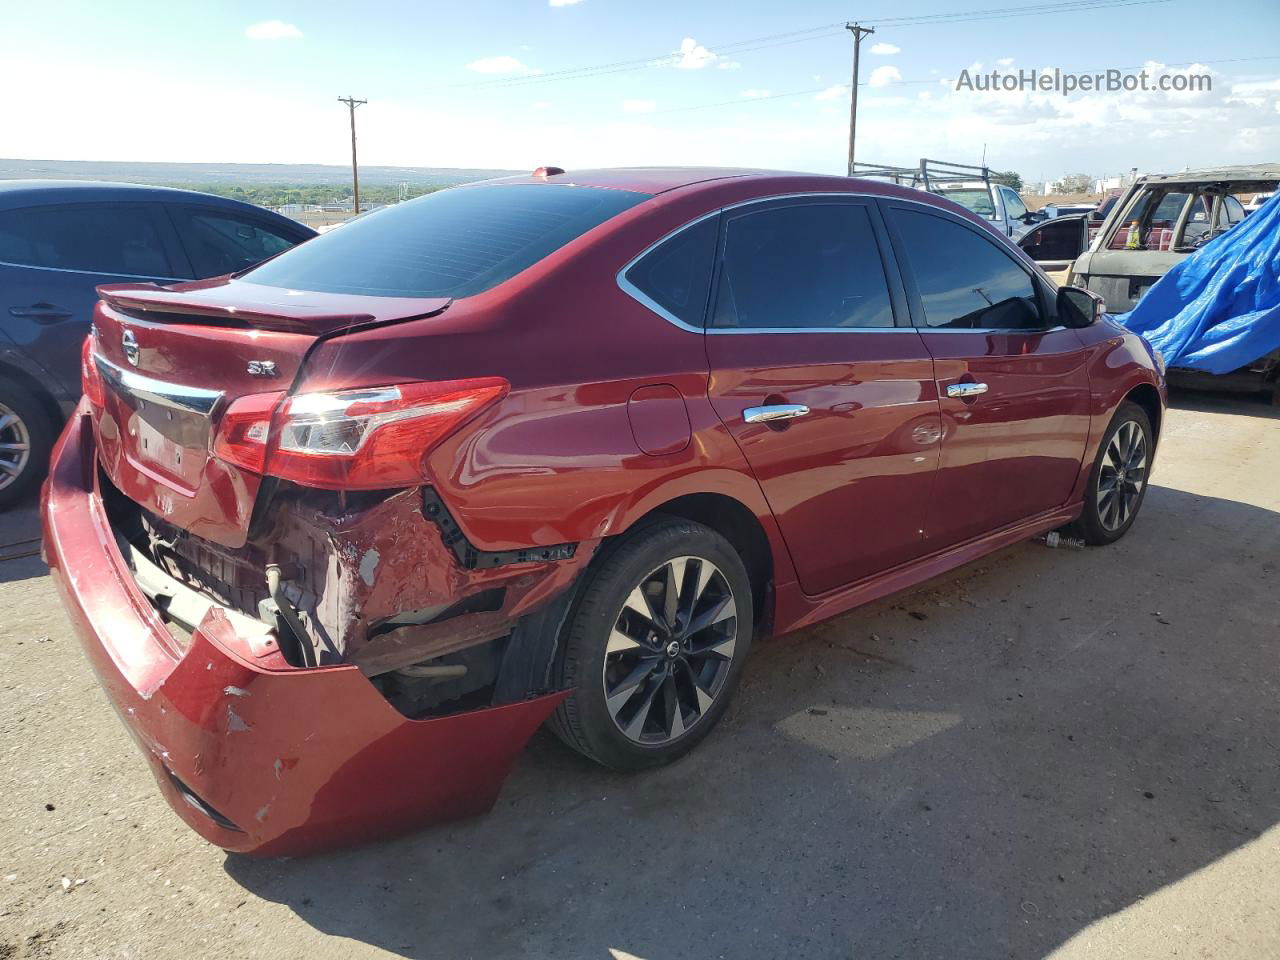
point(1059, 753)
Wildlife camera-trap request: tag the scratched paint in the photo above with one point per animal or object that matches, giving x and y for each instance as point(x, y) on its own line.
point(369, 566)
point(234, 723)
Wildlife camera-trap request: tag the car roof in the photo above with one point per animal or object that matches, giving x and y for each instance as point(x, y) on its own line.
point(28, 193)
point(50, 191)
point(1252, 173)
point(652, 180)
point(659, 180)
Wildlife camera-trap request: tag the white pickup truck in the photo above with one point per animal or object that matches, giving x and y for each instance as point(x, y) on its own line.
point(970, 186)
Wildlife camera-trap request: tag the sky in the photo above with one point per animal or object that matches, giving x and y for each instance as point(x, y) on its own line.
point(484, 84)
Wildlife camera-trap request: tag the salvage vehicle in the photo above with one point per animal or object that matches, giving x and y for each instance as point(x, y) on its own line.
point(60, 239)
point(1160, 221)
point(974, 188)
point(339, 532)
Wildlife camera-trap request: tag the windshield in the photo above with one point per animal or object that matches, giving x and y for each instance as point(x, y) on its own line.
point(451, 243)
point(974, 199)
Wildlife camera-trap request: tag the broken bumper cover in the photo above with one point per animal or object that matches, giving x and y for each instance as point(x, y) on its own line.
point(256, 756)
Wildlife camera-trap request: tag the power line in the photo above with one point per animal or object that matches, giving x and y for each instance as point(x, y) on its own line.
point(744, 101)
point(822, 31)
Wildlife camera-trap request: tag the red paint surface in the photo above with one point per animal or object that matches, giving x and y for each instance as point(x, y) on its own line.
point(1016, 450)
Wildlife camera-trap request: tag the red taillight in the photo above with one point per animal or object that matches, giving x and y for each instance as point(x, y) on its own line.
point(244, 431)
point(90, 378)
point(372, 438)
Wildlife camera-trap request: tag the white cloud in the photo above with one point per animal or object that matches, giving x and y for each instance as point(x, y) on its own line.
point(639, 106)
point(1004, 61)
point(885, 49)
point(272, 30)
point(1255, 87)
point(833, 93)
point(563, 3)
point(753, 93)
point(883, 76)
point(498, 65)
point(694, 56)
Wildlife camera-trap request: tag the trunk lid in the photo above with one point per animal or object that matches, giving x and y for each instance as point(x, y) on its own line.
point(171, 360)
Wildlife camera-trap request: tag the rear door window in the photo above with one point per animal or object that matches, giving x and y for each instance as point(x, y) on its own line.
point(451, 243)
point(118, 239)
point(813, 266)
point(974, 199)
point(220, 242)
point(965, 281)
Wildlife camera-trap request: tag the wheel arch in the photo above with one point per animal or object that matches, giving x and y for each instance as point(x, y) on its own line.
point(536, 639)
point(1147, 397)
point(43, 396)
point(738, 524)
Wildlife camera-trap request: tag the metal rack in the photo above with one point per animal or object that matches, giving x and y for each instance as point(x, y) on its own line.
point(930, 175)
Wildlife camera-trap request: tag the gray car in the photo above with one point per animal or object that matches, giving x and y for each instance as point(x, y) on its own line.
point(58, 241)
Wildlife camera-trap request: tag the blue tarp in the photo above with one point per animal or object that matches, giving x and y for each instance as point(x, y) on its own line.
point(1219, 309)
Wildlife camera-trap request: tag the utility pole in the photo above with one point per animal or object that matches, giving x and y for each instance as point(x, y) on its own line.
point(858, 33)
point(352, 103)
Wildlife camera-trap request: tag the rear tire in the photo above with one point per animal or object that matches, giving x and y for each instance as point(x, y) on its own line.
point(27, 433)
point(654, 646)
point(1118, 480)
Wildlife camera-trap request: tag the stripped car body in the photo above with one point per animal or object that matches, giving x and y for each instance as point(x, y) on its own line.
point(1160, 220)
point(310, 660)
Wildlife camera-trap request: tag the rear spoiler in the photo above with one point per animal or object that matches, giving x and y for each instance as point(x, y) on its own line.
point(228, 302)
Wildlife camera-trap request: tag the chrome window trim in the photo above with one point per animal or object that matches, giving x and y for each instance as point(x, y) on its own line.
point(173, 395)
point(722, 331)
point(151, 278)
point(635, 293)
point(631, 290)
point(1007, 330)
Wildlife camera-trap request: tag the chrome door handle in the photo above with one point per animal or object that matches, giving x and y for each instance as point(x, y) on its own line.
point(963, 390)
point(776, 411)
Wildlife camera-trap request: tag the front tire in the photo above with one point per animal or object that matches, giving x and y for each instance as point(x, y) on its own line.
point(26, 439)
point(654, 646)
point(1118, 481)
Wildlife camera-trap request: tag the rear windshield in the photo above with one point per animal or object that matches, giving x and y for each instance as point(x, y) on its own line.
point(452, 243)
point(974, 199)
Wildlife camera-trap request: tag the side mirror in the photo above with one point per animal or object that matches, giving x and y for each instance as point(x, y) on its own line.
point(1078, 307)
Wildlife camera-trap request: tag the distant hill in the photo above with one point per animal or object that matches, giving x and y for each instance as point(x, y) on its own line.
point(300, 174)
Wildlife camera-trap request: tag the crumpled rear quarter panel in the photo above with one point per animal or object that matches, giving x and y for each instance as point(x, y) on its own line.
point(300, 760)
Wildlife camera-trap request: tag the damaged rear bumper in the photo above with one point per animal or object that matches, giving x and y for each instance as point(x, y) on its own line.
point(257, 756)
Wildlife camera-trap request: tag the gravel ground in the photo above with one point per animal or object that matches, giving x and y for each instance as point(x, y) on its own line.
point(1050, 753)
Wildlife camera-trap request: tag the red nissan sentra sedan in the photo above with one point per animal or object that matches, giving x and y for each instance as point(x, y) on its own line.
point(340, 532)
